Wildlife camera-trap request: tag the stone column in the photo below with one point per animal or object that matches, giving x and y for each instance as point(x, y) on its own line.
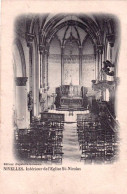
point(21, 103)
point(41, 49)
point(99, 52)
point(80, 65)
point(97, 64)
point(29, 40)
point(62, 65)
point(111, 40)
point(46, 68)
point(95, 57)
point(33, 70)
point(43, 95)
point(43, 70)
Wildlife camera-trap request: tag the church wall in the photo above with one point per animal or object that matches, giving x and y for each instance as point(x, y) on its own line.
point(71, 63)
point(54, 65)
point(88, 63)
point(35, 83)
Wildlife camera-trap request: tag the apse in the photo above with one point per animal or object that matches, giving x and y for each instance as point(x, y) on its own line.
point(71, 61)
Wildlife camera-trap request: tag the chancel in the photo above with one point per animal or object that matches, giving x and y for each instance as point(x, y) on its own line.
point(65, 72)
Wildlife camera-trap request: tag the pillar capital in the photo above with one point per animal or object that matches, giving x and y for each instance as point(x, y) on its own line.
point(46, 51)
point(100, 48)
point(41, 48)
point(80, 50)
point(111, 39)
point(80, 47)
point(62, 46)
point(29, 38)
point(21, 81)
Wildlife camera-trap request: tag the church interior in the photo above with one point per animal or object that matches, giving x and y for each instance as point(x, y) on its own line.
point(65, 86)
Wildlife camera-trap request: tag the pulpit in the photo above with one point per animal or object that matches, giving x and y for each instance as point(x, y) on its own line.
point(69, 97)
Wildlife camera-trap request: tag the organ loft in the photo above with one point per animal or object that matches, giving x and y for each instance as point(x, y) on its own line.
point(65, 71)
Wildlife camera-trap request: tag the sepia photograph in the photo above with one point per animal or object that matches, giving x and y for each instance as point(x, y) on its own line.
point(63, 97)
point(65, 86)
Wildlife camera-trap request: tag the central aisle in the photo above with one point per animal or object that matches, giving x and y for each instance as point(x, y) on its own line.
point(70, 143)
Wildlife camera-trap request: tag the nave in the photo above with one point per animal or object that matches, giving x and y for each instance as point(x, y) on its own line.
point(65, 87)
point(55, 141)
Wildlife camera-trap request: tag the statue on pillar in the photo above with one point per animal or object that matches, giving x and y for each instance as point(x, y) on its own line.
point(30, 104)
point(108, 68)
point(42, 100)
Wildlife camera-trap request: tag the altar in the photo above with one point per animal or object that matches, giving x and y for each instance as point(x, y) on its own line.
point(69, 97)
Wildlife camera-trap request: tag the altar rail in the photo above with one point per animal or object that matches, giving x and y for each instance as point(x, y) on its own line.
point(52, 117)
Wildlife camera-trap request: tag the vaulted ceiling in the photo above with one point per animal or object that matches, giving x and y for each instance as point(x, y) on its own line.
point(46, 26)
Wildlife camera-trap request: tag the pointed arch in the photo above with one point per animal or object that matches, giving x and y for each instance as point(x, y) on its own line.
point(22, 56)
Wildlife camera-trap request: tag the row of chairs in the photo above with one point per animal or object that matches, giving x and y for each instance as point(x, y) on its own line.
point(96, 144)
point(40, 142)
